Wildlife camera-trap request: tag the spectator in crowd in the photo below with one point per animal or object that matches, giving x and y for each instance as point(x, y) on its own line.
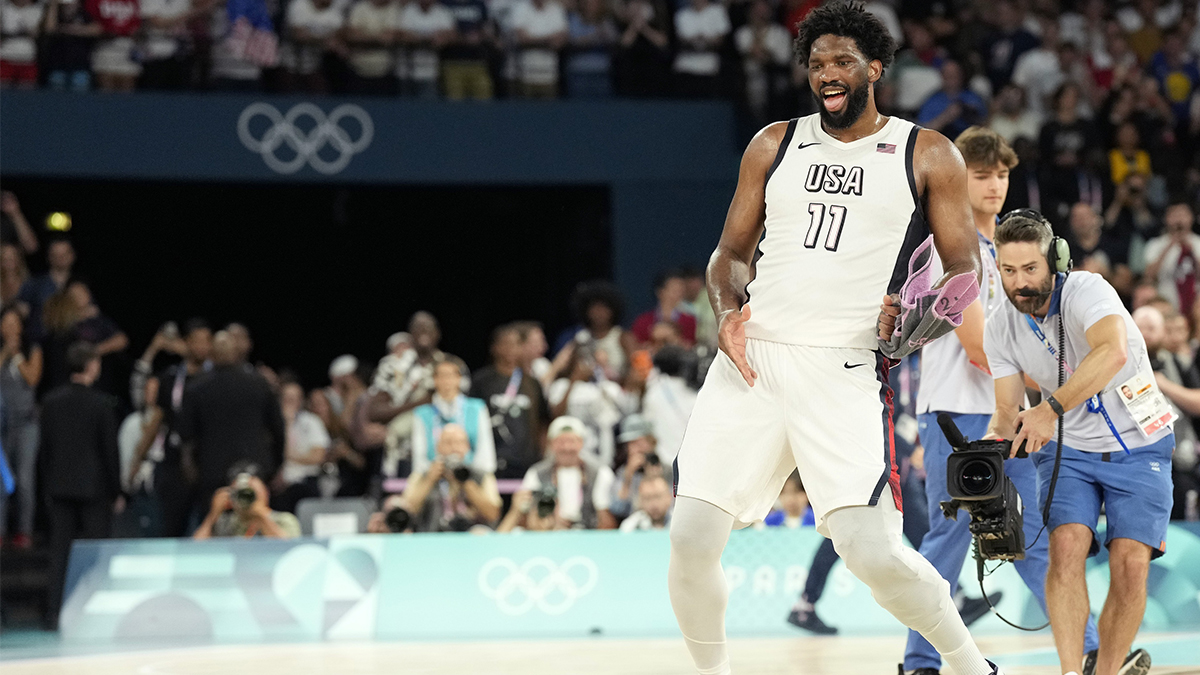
point(766, 50)
point(166, 43)
point(453, 492)
point(1042, 70)
point(402, 383)
point(1128, 156)
point(643, 53)
point(97, 329)
point(1175, 69)
point(113, 61)
point(70, 32)
point(533, 346)
point(1097, 250)
point(367, 439)
point(392, 517)
point(641, 462)
point(1184, 397)
point(1144, 22)
point(586, 394)
point(20, 373)
point(308, 445)
point(465, 72)
point(241, 49)
point(229, 416)
point(582, 486)
point(952, 109)
point(533, 513)
point(916, 73)
point(242, 343)
point(314, 43)
point(669, 289)
point(654, 512)
point(20, 24)
point(60, 255)
point(696, 303)
point(13, 274)
point(451, 406)
point(592, 35)
point(541, 31)
point(425, 27)
point(14, 228)
point(598, 308)
point(240, 509)
point(1066, 144)
point(1128, 215)
point(1011, 118)
point(701, 27)
point(518, 409)
point(1171, 259)
point(161, 417)
point(78, 464)
point(351, 465)
point(370, 36)
point(793, 510)
point(138, 469)
point(1009, 40)
point(669, 400)
point(342, 372)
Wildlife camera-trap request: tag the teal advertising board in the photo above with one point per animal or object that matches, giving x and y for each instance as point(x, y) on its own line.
point(532, 585)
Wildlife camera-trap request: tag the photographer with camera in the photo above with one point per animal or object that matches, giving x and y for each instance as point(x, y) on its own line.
point(654, 496)
point(582, 486)
point(641, 462)
point(393, 517)
point(1074, 338)
point(241, 510)
point(955, 380)
point(533, 512)
point(452, 494)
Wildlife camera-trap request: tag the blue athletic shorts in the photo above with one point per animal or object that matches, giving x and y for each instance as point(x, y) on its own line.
point(1135, 490)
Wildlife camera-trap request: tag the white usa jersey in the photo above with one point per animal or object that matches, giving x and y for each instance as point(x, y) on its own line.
point(842, 221)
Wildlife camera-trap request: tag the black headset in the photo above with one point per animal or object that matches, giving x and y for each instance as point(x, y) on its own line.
point(1058, 257)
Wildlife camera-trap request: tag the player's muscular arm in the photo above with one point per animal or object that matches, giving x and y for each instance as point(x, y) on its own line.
point(729, 267)
point(941, 177)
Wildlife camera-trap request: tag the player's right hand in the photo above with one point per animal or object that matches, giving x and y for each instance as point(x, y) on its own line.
point(731, 338)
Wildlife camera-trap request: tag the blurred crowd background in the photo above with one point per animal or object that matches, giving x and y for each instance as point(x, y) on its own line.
point(565, 426)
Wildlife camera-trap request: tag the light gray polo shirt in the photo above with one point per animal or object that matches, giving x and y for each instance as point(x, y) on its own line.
point(1013, 347)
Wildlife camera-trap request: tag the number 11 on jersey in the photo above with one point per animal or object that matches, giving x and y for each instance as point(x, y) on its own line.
point(837, 218)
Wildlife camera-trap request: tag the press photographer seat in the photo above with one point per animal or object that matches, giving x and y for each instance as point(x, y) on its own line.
point(326, 517)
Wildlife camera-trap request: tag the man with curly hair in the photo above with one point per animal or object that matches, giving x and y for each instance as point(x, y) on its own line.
point(848, 200)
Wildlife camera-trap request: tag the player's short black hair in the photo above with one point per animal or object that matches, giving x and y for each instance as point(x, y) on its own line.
point(846, 19)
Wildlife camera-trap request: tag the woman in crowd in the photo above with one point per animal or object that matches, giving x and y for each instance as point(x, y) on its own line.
point(598, 307)
point(13, 273)
point(20, 372)
point(587, 393)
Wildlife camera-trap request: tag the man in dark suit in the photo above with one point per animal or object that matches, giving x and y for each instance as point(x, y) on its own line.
point(79, 464)
point(229, 415)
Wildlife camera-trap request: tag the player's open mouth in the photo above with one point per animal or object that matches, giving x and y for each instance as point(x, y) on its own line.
point(834, 98)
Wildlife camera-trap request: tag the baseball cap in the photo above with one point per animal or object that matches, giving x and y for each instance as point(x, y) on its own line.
point(566, 425)
point(634, 427)
point(346, 364)
point(398, 338)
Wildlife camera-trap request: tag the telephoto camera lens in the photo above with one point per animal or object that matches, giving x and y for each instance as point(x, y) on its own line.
point(243, 492)
point(547, 501)
point(977, 477)
point(397, 520)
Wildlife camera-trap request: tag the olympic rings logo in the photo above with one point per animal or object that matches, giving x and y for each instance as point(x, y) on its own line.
point(307, 147)
point(540, 582)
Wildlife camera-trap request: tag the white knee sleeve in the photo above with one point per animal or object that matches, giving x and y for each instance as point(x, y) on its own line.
point(696, 581)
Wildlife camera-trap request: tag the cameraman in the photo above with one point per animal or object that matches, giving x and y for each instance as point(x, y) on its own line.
point(955, 380)
point(582, 486)
point(241, 510)
point(642, 462)
point(451, 495)
point(392, 517)
point(1108, 458)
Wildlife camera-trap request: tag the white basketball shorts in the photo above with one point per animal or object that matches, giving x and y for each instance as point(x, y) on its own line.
point(828, 411)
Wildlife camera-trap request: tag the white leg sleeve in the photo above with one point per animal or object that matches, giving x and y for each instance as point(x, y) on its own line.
point(699, 593)
point(902, 582)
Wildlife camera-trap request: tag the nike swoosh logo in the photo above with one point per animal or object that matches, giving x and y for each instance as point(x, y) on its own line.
point(847, 366)
point(807, 145)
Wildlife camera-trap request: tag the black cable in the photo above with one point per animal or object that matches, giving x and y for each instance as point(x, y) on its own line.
point(979, 568)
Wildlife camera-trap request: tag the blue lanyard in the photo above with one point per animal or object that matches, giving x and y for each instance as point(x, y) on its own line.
point(1094, 404)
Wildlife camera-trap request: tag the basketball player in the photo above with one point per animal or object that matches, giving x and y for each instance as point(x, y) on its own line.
point(845, 197)
point(955, 380)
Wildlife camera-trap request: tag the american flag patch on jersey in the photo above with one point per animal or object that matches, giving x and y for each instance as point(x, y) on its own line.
point(886, 148)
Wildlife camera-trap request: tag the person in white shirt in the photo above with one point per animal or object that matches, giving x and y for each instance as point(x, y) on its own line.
point(1011, 116)
point(370, 34)
point(540, 30)
point(165, 42)
point(654, 495)
point(313, 32)
point(20, 24)
point(668, 400)
point(766, 49)
point(701, 27)
point(307, 446)
point(580, 486)
point(1172, 258)
point(425, 27)
point(450, 406)
point(586, 394)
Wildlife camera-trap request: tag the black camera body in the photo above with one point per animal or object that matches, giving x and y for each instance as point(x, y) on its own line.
point(545, 499)
point(976, 483)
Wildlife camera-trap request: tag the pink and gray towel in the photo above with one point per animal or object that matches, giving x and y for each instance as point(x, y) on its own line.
point(927, 313)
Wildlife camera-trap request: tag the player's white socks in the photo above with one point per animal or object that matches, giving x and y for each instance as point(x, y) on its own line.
point(903, 582)
point(696, 581)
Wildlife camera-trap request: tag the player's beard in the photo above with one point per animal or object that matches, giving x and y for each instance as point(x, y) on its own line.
point(1027, 304)
point(856, 105)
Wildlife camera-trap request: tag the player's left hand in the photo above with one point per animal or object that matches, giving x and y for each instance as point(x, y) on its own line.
point(888, 312)
point(1035, 427)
